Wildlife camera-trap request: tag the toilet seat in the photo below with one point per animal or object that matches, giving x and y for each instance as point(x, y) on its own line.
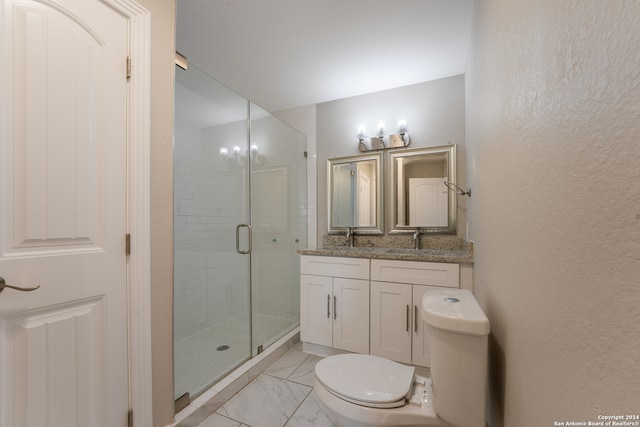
point(366, 380)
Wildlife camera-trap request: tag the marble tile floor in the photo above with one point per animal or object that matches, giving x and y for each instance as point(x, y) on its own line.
point(279, 396)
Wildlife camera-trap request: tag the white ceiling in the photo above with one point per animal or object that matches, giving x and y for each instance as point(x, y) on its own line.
point(283, 54)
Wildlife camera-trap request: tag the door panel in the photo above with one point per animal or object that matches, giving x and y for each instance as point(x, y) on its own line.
point(421, 345)
point(316, 311)
point(54, 354)
point(428, 202)
point(351, 320)
point(63, 146)
point(277, 162)
point(391, 321)
point(211, 312)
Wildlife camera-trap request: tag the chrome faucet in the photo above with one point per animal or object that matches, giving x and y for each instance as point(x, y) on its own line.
point(416, 237)
point(350, 234)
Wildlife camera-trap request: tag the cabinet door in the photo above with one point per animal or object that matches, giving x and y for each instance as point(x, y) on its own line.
point(420, 346)
point(316, 309)
point(351, 320)
point(391, 320)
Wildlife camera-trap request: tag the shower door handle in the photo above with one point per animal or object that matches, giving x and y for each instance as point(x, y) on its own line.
point(250, 239)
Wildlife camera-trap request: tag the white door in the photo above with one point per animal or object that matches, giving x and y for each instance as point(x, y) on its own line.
point(63, 142)
point(428, 202)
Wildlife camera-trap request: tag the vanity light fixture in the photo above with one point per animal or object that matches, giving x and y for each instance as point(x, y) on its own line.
point(239, 155)
point(362, 133)
point(381, 140)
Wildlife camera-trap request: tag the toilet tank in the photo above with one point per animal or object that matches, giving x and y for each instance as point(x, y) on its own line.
point(458, 331)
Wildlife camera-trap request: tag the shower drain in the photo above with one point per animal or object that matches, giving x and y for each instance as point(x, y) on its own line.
point(223, 348)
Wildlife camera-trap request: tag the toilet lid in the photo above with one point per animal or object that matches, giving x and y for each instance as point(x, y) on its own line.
point(366, 380)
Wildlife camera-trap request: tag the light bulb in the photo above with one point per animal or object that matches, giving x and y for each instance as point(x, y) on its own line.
point(402, 125)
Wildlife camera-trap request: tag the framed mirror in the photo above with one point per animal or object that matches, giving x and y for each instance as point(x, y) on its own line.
point(418, 195)
point(355, 194)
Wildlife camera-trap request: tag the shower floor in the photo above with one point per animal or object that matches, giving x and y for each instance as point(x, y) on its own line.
point(206, 357)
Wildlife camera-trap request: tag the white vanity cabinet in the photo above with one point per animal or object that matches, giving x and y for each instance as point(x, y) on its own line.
point(334, 302)
point(397, 329)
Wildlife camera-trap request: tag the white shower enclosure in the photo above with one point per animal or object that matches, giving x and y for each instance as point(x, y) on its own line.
point(240, 215)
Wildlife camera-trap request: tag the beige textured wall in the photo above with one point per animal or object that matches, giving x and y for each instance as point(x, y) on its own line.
point(553, 126)
point(162, 77)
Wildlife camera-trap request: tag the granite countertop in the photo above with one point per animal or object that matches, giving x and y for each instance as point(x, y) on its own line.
point(403, 254)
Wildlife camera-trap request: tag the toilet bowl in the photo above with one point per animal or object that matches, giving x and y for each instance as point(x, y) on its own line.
point(360, 390)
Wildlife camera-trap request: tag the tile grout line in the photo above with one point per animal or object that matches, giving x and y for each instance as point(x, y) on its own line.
point(298, 407)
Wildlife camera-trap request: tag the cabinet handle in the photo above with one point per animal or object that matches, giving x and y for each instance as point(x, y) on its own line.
point(328, 306)
point(408, 309)
point(335, 312)
point(415, 318)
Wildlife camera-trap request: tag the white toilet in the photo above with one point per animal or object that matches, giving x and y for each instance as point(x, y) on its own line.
point(360, 390)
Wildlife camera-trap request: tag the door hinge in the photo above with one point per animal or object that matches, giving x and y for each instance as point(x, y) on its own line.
point(128, 67)
point(127, 244)
point(130, 418)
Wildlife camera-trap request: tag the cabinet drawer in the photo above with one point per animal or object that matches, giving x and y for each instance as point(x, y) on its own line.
point(416, 272)
point(354, 268)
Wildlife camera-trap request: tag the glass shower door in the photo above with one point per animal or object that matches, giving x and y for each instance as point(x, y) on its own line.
point(212, 319)
point(240, 215)
point(279, 224)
